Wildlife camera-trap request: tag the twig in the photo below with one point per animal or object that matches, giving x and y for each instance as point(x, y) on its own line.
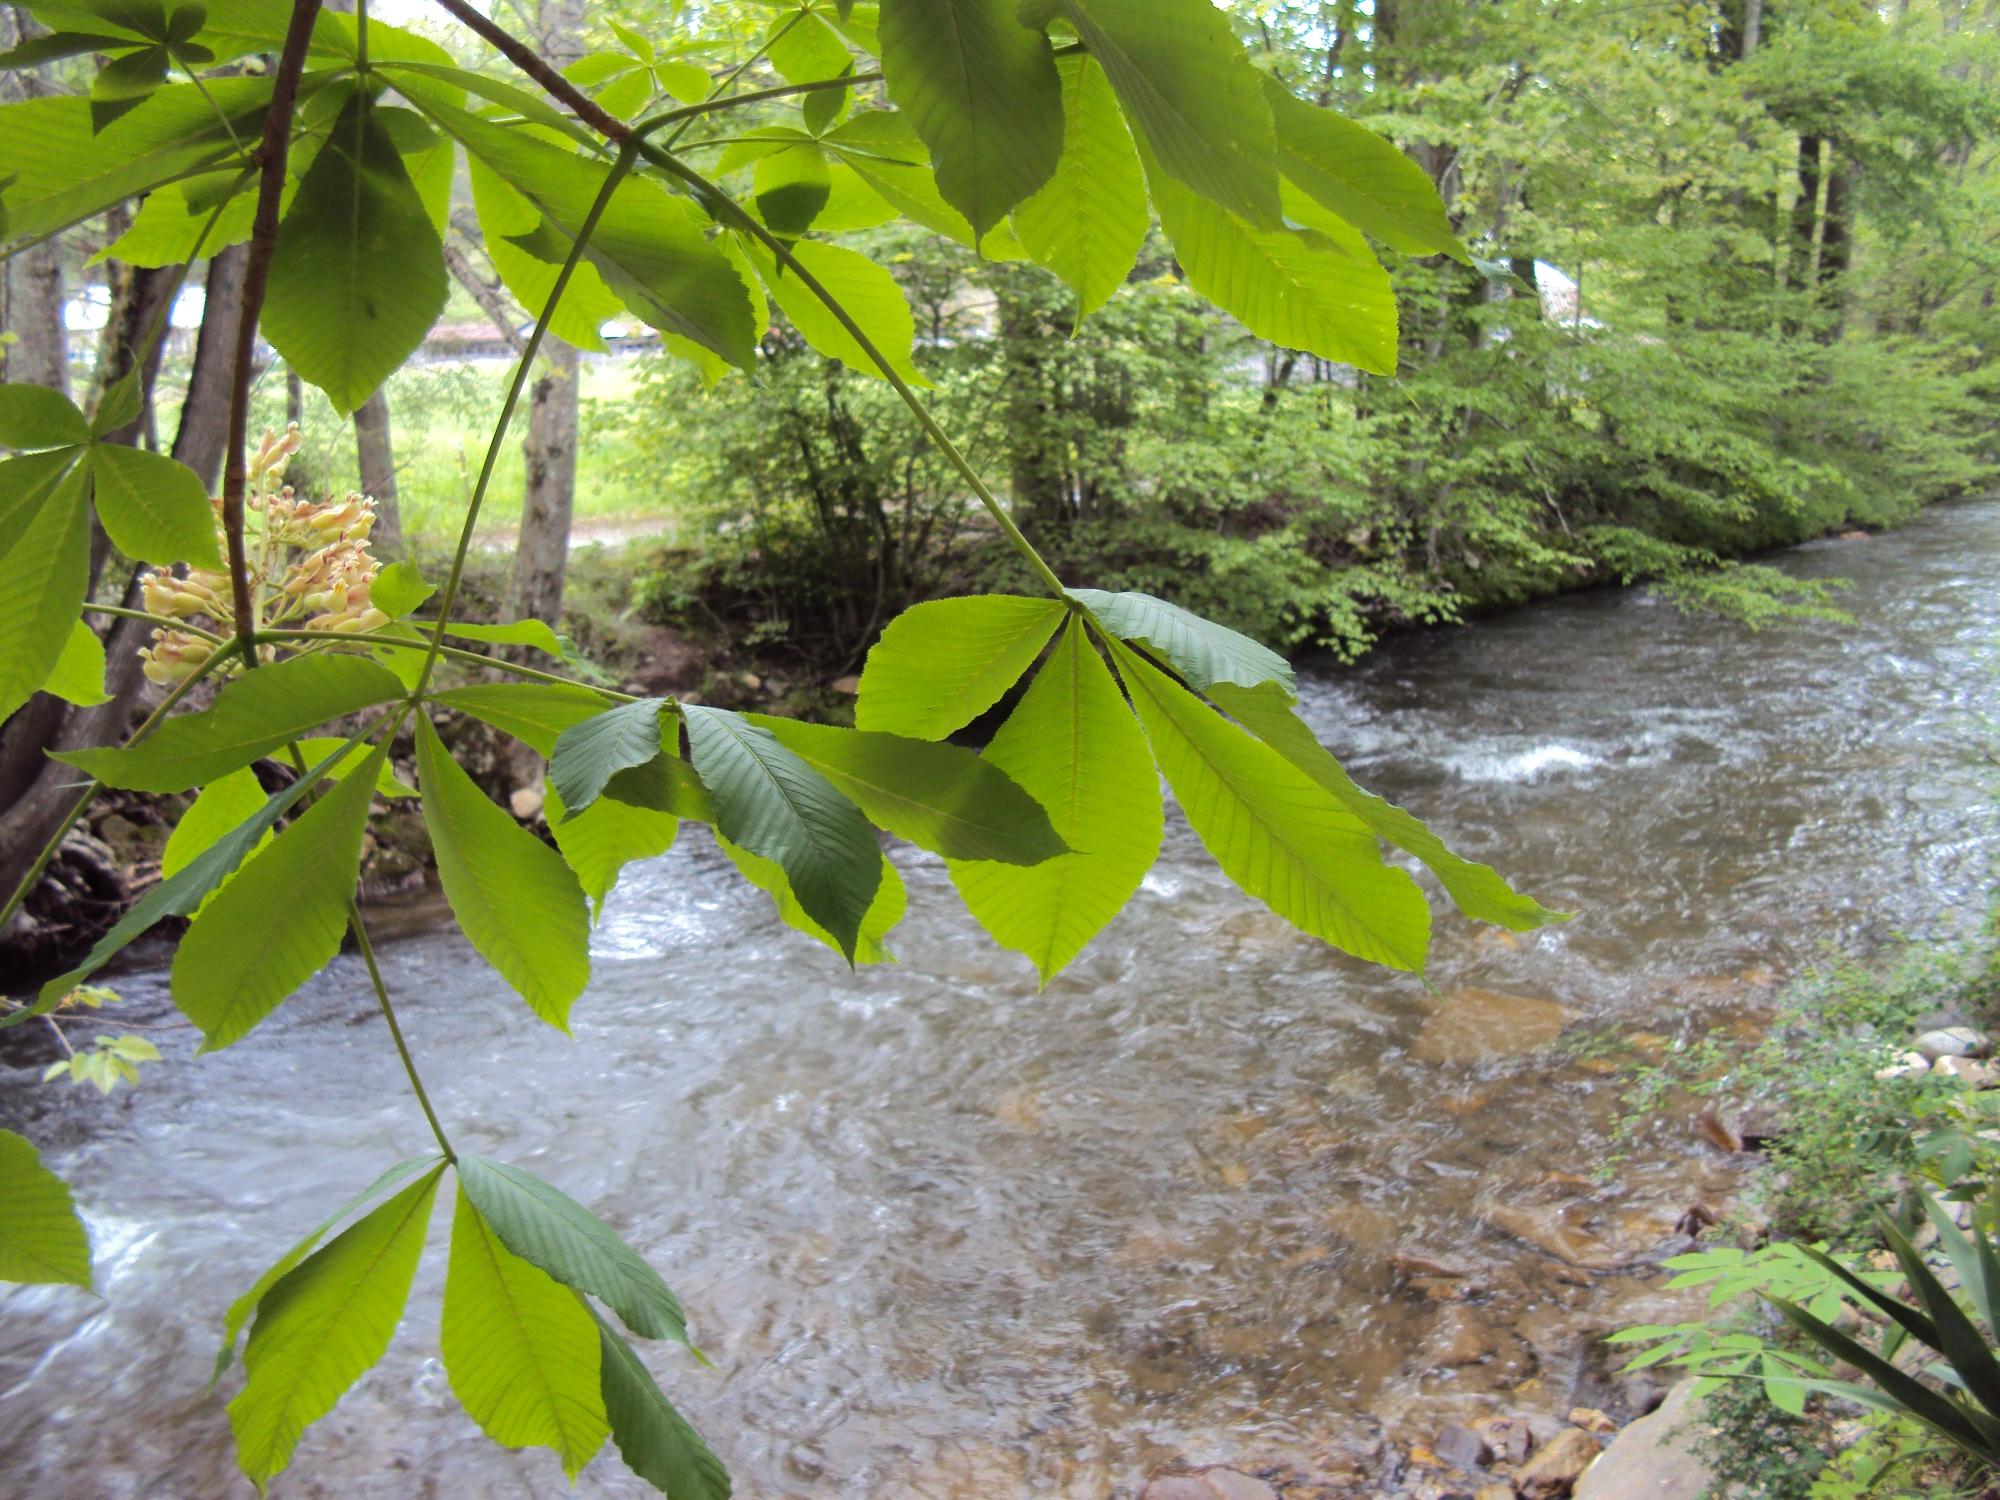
point(256, 274)
point(531, 62)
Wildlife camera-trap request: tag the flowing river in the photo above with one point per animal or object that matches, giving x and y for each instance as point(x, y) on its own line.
point(945, 1236)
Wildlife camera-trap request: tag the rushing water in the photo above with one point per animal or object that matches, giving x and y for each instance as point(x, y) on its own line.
point(943, 1235)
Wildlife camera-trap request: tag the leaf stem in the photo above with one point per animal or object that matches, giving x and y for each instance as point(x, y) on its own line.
point(361, 941)
point(166, 622)
point(665, 117)
point(270, 158)
point(715, 198)
point(531, 62)
point(449, 597)
point(90, 791)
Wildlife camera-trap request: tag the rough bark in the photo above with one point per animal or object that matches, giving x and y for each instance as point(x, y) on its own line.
point(205, 414)
point(31, 284)
point(376, 451)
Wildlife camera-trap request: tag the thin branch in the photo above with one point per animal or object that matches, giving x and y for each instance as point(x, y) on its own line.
point(756, 96)
point(627, 157)
point(256, 274)
point(531, 62)
point(489, 297)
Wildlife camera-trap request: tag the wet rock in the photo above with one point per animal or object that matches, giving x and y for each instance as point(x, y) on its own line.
point(1590, 1419)
point(1903, 1065)
point(1417, 1263)
point(1951, 1041)
point(1472, 1025)
point(1209, 1484)
point(1555, 1470)
point(1507, 1438)
point(1462, 1448)
point(1653, 1459)
point(1547, 1229)
point(1969, 1071)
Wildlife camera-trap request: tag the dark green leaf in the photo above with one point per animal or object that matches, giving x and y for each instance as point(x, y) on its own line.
point(589, 754)
point(549, 1229)
point(43, 576)
point(774, 804)
point(981, 90)
point(1203, 652)
point(655, 1441)
point(939, 797)
point(358, 278)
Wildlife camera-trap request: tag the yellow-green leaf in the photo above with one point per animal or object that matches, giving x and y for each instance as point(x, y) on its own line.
point(943, 663)
point(41, 1237)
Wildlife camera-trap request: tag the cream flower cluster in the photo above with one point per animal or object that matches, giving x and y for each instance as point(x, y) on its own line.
point(309, 564)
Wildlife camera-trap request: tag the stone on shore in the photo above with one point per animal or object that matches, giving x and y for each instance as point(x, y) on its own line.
point(1950, 1041)
point(1653, 1458)
point(1557, 1465)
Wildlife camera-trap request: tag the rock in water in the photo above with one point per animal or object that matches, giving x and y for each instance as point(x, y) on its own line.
point(1554, 1470)
point(1471, 1025)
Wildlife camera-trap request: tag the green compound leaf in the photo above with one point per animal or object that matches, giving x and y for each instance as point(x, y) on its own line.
point(240, 1310)
point(1191, 94)
point(179, 894)
point(1353, 172)
point(772, 803)
point(358, 277)
point(943, 663)
point(1088, 222)
point(152, 507)
point(35, 416)
point(867, 290)
point(521, 1352)
point(589, 754)
point(551, 1230)
point(1298, 289)
point(1073, 745)
point(258, 713)
point(587, 303)
point(647, 245)
point(515, 899)
point(43, 576)
point(981, 90)
point(887, 908)
point(323, 1325)
point(79, 672)
point(41, 1237)
point(600, 841)
point(1267, 712)
point(656, 1442)
point(1274, 831)
point(25, 484)
point(267, 933)
point(1203, 652)
point(535, 713)
point(939, 797)
point(791, 187)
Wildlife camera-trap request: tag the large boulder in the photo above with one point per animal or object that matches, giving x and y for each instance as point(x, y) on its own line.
point(1654, 1458)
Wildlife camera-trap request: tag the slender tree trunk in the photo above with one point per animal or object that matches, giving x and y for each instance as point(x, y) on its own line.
point(549, 449)
point(204, 428)
point(1836, 246)
point(377, 454)
point(31, 284)
point(543, 556)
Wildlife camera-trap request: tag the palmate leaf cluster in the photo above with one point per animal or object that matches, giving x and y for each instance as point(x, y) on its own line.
point(1041, 132)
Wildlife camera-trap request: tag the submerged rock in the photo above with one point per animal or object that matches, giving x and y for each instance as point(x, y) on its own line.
point(1547, 1229)
point(1472, 1025)
point(1209, 1484)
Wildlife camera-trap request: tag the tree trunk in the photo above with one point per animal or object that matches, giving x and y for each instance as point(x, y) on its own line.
point(1836, 246)
point(542, 558)
point(204, 429)
point(377, 455)
point(31, 284)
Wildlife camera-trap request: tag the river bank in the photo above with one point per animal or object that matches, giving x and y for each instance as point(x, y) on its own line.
point(943, 1235)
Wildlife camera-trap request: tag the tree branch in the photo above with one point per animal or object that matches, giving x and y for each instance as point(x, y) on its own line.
point(270, 156)
point(491, 300)
point(531, 62)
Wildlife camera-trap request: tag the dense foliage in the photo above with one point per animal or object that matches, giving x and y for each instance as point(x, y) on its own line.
point(1763, 238)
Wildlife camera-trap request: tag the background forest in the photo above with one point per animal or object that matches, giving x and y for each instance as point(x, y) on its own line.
point(1763, 241)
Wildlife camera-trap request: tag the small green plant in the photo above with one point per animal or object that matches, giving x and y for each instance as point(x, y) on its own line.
point(106, 1060)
